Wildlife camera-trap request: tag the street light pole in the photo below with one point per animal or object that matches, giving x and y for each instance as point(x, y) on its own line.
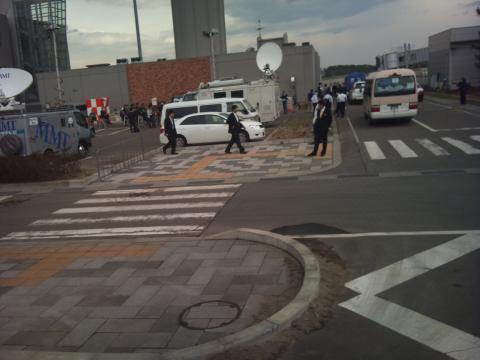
point(137, 27)
point(210, 35)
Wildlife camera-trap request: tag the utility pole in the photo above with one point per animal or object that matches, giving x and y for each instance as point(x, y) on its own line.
point(137, 27)
point(210, 35)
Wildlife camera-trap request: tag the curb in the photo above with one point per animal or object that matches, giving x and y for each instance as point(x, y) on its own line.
point(251, 335)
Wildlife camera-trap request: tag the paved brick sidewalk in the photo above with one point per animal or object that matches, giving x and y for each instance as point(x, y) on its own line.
point(210, 163)
point(122, 297)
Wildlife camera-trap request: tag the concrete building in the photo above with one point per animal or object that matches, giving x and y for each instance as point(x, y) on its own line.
point(300, 63)
point(408, 58)
point(453, 54)
point(31, 45)
point(191, 18)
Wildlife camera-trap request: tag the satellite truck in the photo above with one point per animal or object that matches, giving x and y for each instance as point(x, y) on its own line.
point(264, 94)
point(62, 130)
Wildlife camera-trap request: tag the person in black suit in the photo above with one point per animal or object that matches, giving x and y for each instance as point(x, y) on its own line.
point(234, 128)
point(321, 123)
point(170, 132)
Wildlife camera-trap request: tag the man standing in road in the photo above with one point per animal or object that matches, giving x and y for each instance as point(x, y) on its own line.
point(341, 104)
point(321, 124)
point(132, 115)
point(463, 86)
point(315, 98)
point(170, 132)
point(234, 128)
point(284, 99)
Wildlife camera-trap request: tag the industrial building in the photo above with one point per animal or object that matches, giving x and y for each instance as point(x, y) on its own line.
point(193, 18)
point(454, 54)
point(29, 45)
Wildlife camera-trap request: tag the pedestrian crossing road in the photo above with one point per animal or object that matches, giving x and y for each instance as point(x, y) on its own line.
point(134, 212)
point(422, 147)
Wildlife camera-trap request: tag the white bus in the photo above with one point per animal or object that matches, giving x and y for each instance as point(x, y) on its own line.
point(391, 94)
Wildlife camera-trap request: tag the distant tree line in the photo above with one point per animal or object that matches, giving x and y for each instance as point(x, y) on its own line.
point(346, 69)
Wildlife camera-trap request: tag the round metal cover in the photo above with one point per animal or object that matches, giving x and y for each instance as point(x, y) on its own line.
point(219, 313)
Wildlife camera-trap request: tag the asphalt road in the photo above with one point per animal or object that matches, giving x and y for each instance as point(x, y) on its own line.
point(416, 183)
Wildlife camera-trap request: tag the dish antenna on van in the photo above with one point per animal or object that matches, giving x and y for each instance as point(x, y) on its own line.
point(13, 82)
point(269, 59)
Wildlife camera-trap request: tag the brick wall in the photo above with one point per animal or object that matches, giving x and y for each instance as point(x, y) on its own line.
point(165, 79)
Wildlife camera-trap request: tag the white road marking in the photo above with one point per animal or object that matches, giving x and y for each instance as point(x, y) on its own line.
point(121, 192)
point(475, 137)
point(109, 232)
point(3, 198)
point(403, 150)
point(463, 146)
point(117, 132)
point(155, 198)
point(446, 339)
point(441, 337)
point(459, 129)
point(432, 147)
point(406, 269)
point(355, 135)
point(424, 125)
point(107, 209)
point(124, 219)
point(199, 188)
point(87, 158)
point(374, 150)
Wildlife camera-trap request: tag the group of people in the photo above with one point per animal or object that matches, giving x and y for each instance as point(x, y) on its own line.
point(339, 92)
point(134, 113)
point(100, 120)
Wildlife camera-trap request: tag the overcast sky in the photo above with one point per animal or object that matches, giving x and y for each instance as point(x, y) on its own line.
point(342, 31)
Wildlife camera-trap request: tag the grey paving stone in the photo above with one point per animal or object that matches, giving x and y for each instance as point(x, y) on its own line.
point(150, 340)
point(162, 298)
point(166, 280)
point(62, 306)
point(47, 300)
point(237, 251)
point(80, 334)
point(253, 258)
point(20, 300)
point(255, 279)
point(168, 322)
point(238, 293)
point(129, 286)
point(171, 264)
point(209, 336)
point(187, 268)
point(118, 277)
point(98, 342)
point(35, 338)
point(10, 274)
point(208, 255)
point(184, 338)
point(7, 266)
point(272, 290)
point(78, 264)
point(142, 295)
point(212, 312)
point(15, 355)
point(202, 276)
point(103, 300)
point(253, 305)
point(223, 246)
point(22, 311)
point(152, 312)
point(218, 284)
point(71, 318)
point(114, 312)
point(127, 325)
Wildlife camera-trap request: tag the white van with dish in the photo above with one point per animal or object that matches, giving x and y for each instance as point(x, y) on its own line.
point(223, 105)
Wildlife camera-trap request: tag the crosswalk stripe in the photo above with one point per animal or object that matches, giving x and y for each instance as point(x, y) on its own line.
point(374, 150)
point(475, 137)
point(124, 192)
point(432, 147)
point(3, 198)
point(108, 232)
point(463, 146)
point(106, 209)
point(403, 150)
point(124, 219)
point(199, 188)
point(155, 198)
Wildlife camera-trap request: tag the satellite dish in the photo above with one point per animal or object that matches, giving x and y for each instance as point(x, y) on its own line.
point(269, 58)
point(14, 82)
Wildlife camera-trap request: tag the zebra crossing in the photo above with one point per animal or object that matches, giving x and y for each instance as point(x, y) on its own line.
point(132, 213)
point(416, 148)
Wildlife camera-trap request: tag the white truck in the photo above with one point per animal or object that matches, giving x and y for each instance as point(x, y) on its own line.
point(64, 132)
point(263, 95)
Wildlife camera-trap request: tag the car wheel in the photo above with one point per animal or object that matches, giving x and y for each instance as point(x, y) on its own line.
point(244, 137)
point(181, 141)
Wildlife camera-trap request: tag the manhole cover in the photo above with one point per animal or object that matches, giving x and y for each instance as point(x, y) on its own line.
point(221, 312)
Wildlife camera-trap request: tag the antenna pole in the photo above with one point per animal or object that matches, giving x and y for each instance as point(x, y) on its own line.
point(212, 49)
point(137, 27)
point(260, 28)
point(52, 28)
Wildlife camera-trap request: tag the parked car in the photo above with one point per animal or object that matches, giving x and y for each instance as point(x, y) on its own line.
point(211, 127)
point(420, 92)
point(356, 94)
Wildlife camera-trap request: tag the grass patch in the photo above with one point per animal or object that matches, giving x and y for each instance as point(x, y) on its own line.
point(38, 168)
point(293, 126)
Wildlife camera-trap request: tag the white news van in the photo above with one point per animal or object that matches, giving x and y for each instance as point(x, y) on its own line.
point(263, 95)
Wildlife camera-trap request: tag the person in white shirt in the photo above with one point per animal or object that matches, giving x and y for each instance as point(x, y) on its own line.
point(341, 104)
point(315, 100)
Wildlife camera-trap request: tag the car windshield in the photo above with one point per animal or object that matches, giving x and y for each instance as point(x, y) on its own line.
point(395, 85)
point(359, 85)
point(248, 105)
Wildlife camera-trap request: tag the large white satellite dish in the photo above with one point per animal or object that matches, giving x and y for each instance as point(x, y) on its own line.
point(13, 82)
point(269, 58)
